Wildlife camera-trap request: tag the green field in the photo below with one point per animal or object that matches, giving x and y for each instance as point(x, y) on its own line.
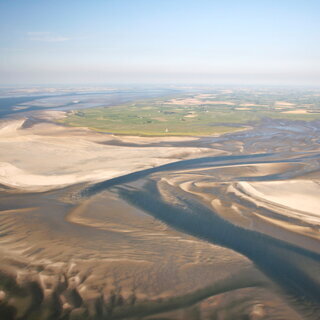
point(165, 118)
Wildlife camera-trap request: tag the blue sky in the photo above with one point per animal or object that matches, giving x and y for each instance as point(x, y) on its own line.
point(160, 41)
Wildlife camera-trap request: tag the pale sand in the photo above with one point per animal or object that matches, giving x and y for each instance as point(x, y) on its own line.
point(48, 156)
point(252, 105)
point(284, 103)
point(297, 111)
point(301, 195)
point(303, 230)
point(190, 101)
point(9, 128)
point(206, 95)
point(229, 103)
point(194, 101)
point(147, 140)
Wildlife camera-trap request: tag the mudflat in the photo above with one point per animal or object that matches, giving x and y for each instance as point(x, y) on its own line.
point(105, 226)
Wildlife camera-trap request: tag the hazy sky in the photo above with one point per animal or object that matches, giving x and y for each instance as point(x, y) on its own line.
point(158, 41)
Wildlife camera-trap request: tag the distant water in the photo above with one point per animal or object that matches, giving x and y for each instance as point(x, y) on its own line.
point(8, 104)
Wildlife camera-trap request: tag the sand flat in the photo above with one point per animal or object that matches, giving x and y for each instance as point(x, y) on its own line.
point(301, 195)
point(47, 156)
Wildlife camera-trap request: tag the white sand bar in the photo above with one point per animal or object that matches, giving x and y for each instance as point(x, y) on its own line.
point(301, 195)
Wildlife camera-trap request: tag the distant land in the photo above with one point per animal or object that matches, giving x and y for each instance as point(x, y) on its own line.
point(200, 114)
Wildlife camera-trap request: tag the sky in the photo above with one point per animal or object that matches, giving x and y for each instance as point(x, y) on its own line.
point(159, 41)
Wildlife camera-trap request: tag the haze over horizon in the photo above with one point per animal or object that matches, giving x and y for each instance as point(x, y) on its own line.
point(230, 42)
